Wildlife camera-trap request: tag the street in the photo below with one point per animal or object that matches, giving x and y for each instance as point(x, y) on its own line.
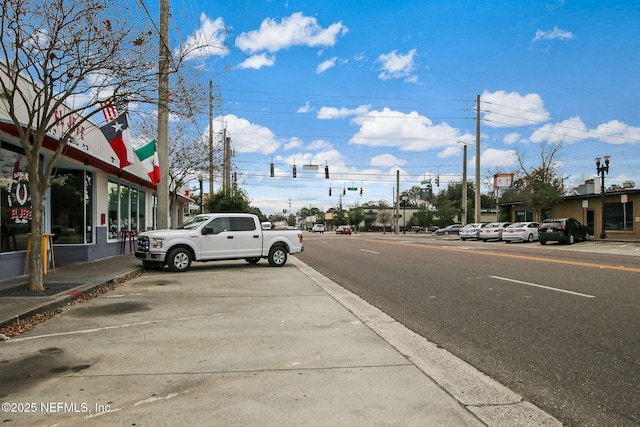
point(557, 324)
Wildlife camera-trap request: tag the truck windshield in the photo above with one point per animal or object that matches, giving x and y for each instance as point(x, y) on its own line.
point(194, 223)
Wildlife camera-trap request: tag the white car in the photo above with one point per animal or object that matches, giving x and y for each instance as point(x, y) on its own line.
point(493, 230)
point(471, 231)
point(317, 228)
point(525, 231)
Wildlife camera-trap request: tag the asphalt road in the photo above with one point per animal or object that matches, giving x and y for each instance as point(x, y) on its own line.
point(555, 324)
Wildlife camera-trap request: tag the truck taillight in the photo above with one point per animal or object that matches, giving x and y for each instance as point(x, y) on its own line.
point(300, 237)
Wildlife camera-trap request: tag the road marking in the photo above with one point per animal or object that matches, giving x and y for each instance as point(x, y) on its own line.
point(543, 287)
point(87, 331)
point(371, 252)
point(525, 257)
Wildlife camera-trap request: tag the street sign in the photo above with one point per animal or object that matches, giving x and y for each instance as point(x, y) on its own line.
point(352, 188)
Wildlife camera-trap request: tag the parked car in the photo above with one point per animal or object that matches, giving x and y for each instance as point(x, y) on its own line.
point(493, 230)
point(343, 229)
point(449, 229)
point(564, 230)
point(471, 231)
point(317, 228)
point(525, 231)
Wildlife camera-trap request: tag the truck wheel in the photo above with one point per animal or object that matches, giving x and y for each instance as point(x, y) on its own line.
point(277, 256)
point(179, 259)
point(252, 260)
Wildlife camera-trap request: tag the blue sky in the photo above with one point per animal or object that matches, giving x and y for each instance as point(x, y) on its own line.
point(372, 87)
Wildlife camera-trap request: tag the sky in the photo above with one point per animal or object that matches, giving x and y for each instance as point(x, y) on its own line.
point(369, 88)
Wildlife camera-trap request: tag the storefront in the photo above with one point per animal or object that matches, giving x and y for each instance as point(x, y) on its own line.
point(90, 206)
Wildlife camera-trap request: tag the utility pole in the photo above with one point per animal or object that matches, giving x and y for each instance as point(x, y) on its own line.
point(163, 118)
point(397, 212)
point(464, 186)
point(210, 138)
point(478, 199)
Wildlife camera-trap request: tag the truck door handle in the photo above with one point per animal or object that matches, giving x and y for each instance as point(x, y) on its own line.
point(255, 236)
point(229, 237)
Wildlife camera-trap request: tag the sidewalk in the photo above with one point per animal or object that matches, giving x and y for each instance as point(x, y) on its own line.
point(409, 371)
point(62, 286)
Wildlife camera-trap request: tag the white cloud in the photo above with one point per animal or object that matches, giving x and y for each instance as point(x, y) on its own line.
point(325, 65)
point(296, 30)
point(567, 131)
point(249, 137)
point(502, 109)
point(555, 34)
point(386, 161)
point(206, 41)
point(408, 132)
point(512, 138)
point(492, 157)
point(449, 152)
point(329, 113)
point(305, 108)
point(319, 144)
point(258, 61)
point(398, 66)
point(617, 132)
point(293, 143)
point(574, 130)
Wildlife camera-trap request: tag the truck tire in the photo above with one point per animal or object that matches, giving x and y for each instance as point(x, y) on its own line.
point(277, 256)
point(179, 259)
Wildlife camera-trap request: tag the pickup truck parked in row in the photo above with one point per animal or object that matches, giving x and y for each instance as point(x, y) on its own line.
point(217, 236)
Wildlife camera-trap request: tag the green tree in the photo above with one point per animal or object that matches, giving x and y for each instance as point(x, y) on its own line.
point(356, 216)
point(228, 201)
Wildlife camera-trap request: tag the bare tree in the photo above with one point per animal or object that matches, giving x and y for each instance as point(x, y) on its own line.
point(384, 214)
point(60, 61)
point(539, 185)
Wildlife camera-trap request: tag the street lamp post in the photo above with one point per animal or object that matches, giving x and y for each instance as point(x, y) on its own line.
point(602, 169)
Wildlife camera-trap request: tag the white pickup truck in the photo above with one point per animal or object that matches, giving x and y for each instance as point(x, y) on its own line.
point(217, 236)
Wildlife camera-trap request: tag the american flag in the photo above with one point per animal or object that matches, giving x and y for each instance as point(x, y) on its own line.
point(109, 110)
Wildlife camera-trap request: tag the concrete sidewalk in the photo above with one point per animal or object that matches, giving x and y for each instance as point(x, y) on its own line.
point(433, 386)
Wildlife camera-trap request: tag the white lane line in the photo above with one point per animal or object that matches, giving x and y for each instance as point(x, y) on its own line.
point(105, 328)
point(543, 287)
point(371, 252)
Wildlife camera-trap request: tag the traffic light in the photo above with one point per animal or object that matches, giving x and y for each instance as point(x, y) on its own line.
point(361, 191)
point(329, 191)
point(295, 171)
point(344, 191)
point(438, 180)
point(326, 172)
point(272, 170)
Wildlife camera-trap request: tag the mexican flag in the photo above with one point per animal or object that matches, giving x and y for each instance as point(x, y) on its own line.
point(148, 155)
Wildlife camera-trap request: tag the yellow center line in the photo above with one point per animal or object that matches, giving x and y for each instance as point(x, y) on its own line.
point(523, 257)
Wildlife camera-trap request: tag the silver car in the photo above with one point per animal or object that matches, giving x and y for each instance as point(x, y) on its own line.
point(471, 230)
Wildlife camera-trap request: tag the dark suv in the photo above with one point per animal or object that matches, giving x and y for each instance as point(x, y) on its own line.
point(564, 230)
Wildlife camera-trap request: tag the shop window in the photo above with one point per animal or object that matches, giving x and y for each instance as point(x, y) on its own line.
point(524, 216)
point(72, 206)
point(15, 206)
point(126, 210)
point(618, 216)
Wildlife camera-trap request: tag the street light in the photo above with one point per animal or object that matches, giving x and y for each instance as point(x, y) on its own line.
point(601, 171)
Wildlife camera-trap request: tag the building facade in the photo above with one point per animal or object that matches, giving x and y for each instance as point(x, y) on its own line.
point(620, 217)
point(92, 206)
